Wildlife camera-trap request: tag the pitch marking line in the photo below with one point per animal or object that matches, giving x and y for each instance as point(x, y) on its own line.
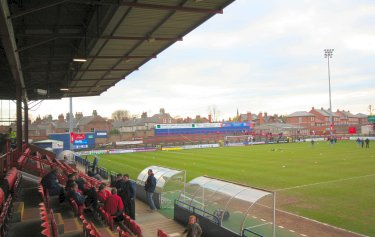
point(325, 182)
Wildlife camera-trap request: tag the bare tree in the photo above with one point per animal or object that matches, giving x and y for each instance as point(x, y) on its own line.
point(121, 114)
point(214, 112)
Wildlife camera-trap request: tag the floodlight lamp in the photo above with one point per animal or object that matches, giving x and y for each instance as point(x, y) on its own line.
point(41, 92)
point(79, 60)
point(64, 89)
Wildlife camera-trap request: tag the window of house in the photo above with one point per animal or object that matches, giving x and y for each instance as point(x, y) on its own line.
point(92, 129)
point(164, 120)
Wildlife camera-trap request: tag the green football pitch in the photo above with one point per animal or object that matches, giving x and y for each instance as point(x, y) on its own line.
point(334, 184)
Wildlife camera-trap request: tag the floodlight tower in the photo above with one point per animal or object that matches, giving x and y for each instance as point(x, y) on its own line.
point(328, 54)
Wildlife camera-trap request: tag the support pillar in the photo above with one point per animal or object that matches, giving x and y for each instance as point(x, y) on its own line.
point(26, 124)
point(19, 118)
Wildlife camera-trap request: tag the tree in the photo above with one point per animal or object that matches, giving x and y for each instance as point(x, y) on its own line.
point(121, 115)
point(214, 112)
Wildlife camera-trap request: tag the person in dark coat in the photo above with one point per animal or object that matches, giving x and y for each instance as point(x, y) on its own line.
point(51, 183)
point(94, 163)
point(367, 141)
point(128, 196)
point(150, 186)
point(193, 228)
point(118, 183)
point(76, 195)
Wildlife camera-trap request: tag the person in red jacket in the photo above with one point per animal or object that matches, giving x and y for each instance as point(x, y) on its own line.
point(103, 193)
point(114, 205)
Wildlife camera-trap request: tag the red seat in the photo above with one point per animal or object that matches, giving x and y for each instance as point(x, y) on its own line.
point(2, 198)
point(78, 210)
point(162, 233)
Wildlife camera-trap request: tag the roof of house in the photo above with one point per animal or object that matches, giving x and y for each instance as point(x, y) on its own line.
point(300, 114)
point(360, 115)
point(278, 126)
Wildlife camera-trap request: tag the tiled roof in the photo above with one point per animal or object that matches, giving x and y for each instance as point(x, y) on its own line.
point(300, 114)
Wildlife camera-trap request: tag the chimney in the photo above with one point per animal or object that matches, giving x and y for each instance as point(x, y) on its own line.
point(210, 118)
point(260, 117)
point(79, 115)
point(312, 108)
point(144, 115)
point(249, 117)
point(162, 111)
point(265, 114)
point(322, 108)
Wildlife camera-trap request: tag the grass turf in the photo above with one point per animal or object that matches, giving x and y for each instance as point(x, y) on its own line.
point(333, 184)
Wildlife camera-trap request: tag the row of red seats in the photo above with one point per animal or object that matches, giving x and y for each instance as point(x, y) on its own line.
point(132, 227)
point(22, 159)
point(8, 193)
point(11, 182)
point(77, 209)
point(89, 230)
point(49, 223)
point(5, 215)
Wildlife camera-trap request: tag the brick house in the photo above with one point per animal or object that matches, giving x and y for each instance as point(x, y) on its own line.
point(347, 118)
point(322, 117)
point(301, 118)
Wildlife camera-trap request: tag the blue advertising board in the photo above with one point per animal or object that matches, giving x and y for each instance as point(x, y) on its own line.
point(101, 134)
point(88, 142)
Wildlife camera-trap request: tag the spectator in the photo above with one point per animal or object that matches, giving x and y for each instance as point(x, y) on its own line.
point(50, 183)
point(150, 186)
point(367, 143)
point(114, 206)
point(128, 195)
point(193, 228)
point(71, 179)
point(118, 183)
point(76, 195)
point(94, 163)
point(103, 193)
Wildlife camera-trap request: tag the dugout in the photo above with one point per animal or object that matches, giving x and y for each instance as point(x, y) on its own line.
point(227, 209)
point(170, 183)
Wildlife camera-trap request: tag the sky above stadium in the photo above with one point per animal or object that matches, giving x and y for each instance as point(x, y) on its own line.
point(259, 56)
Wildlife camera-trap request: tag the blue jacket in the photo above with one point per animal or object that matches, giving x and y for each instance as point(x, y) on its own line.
point(77, 197)
point(150, 184)
point(49, 181)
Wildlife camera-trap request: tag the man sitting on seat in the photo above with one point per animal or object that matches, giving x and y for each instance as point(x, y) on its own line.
point(76, 195)
point(114, 206)
point(50, 183)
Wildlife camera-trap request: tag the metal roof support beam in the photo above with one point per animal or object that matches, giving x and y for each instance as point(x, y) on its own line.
point(10, 46)
point(171, 8)
point(104, 79)
point(150, 39)
point(47, 58)
point(105, 70)
point(150, 6)
point(37, 9)
point(37, 44)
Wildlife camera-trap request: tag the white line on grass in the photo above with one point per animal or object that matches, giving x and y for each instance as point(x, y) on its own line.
point(325, 182)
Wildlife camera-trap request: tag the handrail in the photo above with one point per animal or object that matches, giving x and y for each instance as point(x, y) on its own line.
point(214, 219)
point(252, 232)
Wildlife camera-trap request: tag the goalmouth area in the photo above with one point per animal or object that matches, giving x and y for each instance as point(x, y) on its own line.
point(332, 184)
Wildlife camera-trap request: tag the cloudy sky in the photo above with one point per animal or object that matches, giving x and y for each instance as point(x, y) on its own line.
point(258, 56)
